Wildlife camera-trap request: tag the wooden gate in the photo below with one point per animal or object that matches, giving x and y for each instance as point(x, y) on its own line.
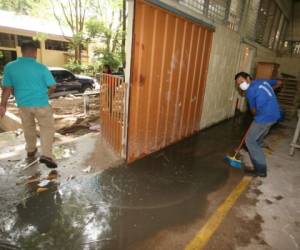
point(112, 89)
point(169, 70)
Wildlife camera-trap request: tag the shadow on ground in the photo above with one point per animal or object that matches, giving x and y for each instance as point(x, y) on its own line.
point(119, 206)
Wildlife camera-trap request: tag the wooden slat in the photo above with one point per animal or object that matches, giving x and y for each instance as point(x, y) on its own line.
point(169, 70)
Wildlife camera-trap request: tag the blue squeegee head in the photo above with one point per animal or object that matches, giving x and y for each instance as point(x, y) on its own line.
point(233, 162)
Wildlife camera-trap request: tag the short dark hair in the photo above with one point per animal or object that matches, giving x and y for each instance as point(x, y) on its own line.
point(242, 74)
point(29, 45)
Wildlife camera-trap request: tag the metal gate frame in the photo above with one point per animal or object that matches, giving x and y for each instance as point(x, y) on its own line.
point(112, 92)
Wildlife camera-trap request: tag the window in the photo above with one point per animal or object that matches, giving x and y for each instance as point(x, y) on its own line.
point(22, 39)
point(262, 20)
point(235, 13)
point(62, 75)
point(274, 28)
point(217, 9)
point(279, 32)
point(282, 34)
point(271, 25)
point(57, 45)
point(7, 40)
point(291, 48)
point(269, 22)
point(251, 19)
point(196, 5)
point(225, 11)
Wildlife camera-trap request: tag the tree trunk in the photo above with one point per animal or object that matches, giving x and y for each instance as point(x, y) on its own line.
point(79, 54)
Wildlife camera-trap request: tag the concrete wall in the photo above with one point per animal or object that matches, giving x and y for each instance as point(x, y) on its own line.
point(54, 58)
point(289, 65)
point(49, 57)
point(220, 93)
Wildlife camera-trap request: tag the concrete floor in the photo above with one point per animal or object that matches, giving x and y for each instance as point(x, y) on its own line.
point(159, 202)
point(267, 216)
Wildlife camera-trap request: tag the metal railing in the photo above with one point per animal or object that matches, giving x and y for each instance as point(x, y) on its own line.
point(112, 91)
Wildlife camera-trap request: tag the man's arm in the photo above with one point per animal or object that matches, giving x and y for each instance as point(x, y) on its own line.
point(6, 91)
point(275, 84)
point(278, 84)
point(51, 89)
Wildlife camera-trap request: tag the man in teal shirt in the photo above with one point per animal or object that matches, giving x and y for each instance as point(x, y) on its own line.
point(31, 83)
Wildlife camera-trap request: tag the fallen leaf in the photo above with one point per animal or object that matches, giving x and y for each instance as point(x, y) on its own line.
point(39, 190)
point(52, 175)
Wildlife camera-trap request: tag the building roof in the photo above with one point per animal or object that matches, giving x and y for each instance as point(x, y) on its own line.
point(11, 20)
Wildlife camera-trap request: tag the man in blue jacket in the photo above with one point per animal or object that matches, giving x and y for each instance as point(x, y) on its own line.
point(265, 108)
point(31, 83)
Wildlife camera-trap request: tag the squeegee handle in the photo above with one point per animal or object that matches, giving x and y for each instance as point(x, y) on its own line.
point(242, 141)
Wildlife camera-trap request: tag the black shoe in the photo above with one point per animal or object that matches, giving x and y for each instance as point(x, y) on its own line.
point(261, 174)
point(49, 162)
point(255, 173)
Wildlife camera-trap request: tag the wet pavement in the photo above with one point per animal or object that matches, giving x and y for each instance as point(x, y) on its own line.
point(115, 207)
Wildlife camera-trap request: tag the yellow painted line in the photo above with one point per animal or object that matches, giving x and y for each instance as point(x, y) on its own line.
point(218, 216)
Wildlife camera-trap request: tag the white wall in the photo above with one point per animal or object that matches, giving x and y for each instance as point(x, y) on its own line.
point(220, 92)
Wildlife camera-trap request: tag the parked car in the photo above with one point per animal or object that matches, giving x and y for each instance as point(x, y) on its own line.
point(67, 81)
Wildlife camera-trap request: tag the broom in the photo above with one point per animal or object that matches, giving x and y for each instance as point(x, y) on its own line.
point(232, 160)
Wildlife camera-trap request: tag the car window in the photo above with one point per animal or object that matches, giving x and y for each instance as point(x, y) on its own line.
point(62, 75)
point(66, 75)
point(57, 75)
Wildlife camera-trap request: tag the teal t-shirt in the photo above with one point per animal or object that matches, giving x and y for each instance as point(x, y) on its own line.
point(30, 81)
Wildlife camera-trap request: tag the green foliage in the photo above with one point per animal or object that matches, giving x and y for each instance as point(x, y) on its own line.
point(74, 66)
point(20, 6)
point(103, 56)
point(95, 27)
point(89, 70)
point(105, 30)
point(40, 37)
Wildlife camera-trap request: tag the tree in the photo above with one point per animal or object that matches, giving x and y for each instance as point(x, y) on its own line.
point(20, 6)
point(123, 32)
point(107, 27)
point(73, 14)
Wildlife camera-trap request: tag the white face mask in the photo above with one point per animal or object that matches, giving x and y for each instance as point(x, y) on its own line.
point(244, 86)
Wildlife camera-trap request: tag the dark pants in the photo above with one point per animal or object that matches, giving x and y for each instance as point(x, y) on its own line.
point(254, 140)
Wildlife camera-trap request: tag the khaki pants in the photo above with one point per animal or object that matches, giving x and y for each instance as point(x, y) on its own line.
point(44, 117)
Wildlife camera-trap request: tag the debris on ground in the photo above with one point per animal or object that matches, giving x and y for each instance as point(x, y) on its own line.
point(87, 170)
point(41, 189)
point(70, 116)
point(70, 178)
point(95, 127)
point(52, 175)
point(44, 183)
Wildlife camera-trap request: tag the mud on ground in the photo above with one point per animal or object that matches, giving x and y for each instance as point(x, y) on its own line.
point(69, 114)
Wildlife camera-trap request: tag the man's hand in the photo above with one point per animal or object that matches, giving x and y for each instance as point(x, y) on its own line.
point(6, 91)
point(278, 84)
point(2, 111)
point(51, 90)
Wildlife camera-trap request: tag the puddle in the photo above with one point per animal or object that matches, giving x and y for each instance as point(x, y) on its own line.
point(114, 208)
